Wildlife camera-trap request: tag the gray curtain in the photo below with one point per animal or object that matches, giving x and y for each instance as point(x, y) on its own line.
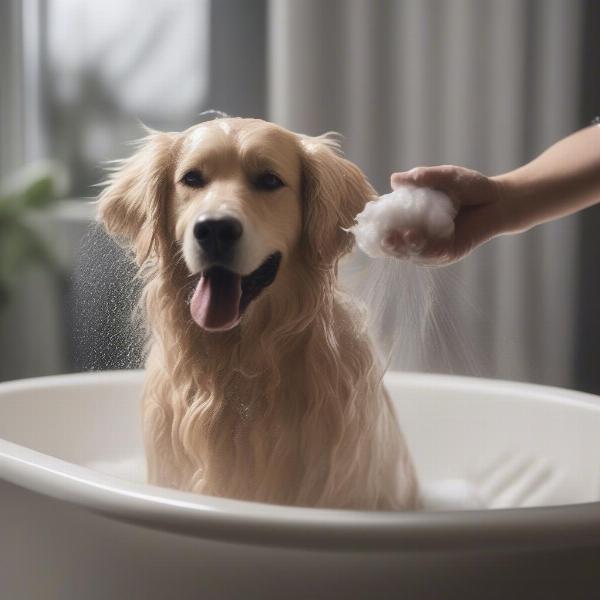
point(483, 84)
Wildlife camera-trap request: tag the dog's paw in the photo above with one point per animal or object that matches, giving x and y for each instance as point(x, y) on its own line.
point(404, 222)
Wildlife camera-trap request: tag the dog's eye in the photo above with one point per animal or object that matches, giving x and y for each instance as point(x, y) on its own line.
point(268, 181)
point(193, 179)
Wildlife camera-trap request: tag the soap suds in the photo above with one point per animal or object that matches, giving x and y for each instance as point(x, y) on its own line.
point(416, 214)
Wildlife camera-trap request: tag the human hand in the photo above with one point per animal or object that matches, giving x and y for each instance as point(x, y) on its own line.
point(480, 215)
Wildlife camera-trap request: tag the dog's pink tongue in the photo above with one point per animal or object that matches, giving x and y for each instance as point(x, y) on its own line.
point(215, 305)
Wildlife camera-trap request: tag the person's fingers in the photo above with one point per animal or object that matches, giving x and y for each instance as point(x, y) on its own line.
point(473, 227)
point(444, 176)
point(415, 245)
point(463, 186)
point(399, 179)
point(479, 217)
point(404, 242)
point(415, 240)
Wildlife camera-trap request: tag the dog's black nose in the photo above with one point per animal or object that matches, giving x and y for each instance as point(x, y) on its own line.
point(217, 237)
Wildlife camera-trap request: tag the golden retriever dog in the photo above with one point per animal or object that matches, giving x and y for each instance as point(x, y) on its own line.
point(261, 379)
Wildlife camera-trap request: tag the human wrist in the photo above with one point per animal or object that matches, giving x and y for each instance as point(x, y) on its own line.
point(506, 192)
point(515, 202)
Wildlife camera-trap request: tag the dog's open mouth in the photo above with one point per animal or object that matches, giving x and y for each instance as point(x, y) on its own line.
point(221, 296)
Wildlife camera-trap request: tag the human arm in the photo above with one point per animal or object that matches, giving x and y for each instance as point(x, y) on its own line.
point(562, 180)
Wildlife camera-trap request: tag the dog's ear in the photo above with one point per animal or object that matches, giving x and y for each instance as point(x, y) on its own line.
point(334, 192)
point(134, 207)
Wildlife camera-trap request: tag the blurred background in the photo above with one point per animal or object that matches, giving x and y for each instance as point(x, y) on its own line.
point(486, 84)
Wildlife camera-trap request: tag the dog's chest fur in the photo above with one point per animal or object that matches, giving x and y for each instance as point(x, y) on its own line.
point(307, 423)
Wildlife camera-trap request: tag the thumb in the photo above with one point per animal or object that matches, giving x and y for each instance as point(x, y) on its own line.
point(402, 178)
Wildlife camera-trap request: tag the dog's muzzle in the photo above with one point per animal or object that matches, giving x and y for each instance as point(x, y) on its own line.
point(221, 296)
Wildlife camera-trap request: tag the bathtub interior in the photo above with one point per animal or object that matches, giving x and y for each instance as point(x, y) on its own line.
point(516, 445)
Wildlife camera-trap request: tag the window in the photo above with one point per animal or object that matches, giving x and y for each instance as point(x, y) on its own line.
point(109, 66)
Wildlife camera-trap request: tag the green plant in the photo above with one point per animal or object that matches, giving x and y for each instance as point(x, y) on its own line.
point(34, 188)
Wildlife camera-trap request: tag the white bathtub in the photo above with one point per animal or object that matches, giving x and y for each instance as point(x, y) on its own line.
point(70, 532)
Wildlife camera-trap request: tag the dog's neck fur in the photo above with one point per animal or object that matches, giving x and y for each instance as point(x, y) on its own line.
point(261, 412)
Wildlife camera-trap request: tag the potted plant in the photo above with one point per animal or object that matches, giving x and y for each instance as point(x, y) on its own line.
point(34, 188)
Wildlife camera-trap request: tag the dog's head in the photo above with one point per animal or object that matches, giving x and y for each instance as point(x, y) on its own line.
point(240, 200)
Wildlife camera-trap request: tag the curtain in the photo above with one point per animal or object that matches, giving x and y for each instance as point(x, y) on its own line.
point(12, 140)
point(482, 84)
point(486, 84)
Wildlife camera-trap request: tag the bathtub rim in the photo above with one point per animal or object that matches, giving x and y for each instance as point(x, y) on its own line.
point(283, 526)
